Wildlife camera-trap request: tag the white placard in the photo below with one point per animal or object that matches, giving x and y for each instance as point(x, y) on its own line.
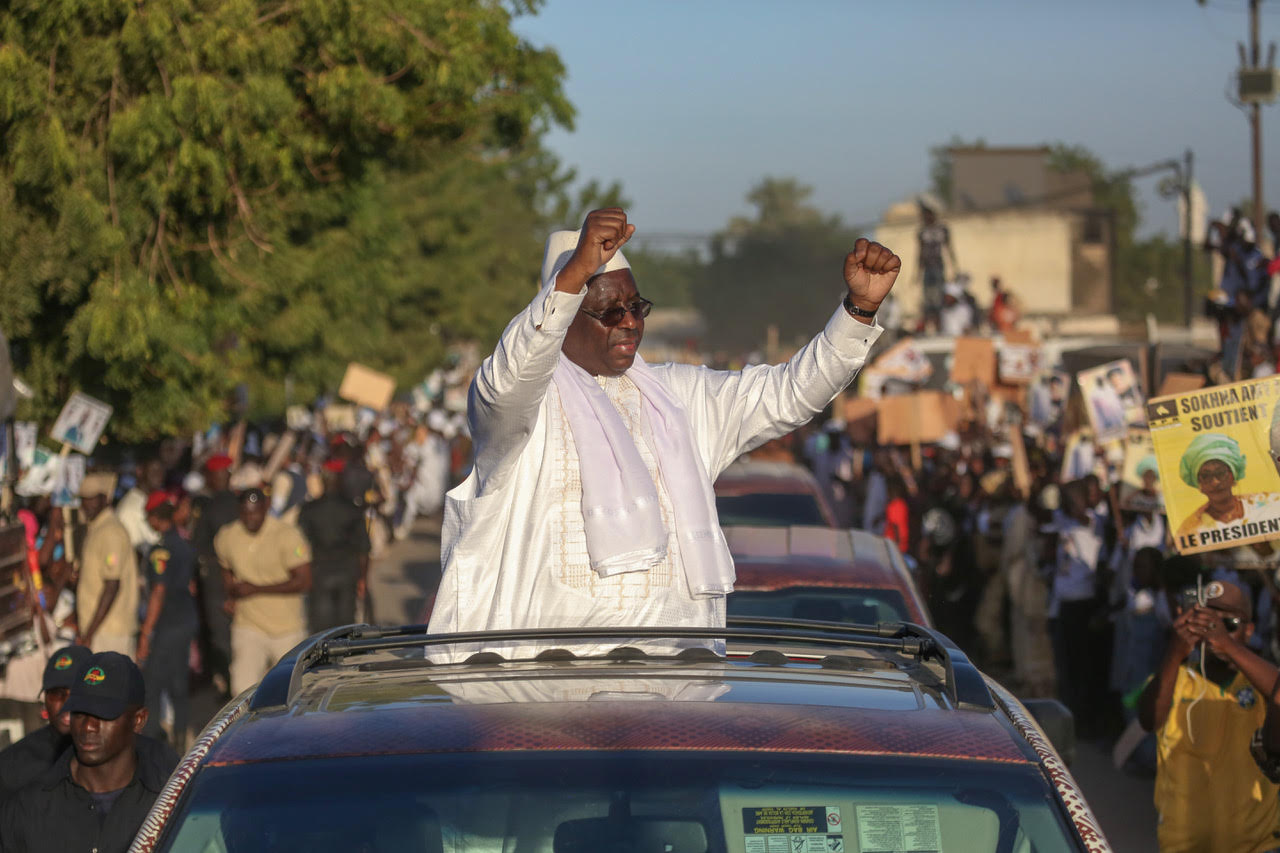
point(81, 422)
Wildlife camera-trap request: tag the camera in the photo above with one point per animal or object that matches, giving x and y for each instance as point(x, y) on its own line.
point(1188, 598)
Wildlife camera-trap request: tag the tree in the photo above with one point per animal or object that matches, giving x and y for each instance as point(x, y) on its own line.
point(781, 267)
point(193, 196)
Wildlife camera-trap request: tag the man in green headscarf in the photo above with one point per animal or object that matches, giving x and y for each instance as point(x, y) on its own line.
point(1213, 463)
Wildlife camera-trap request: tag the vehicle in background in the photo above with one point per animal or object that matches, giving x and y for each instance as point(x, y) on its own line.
point(800, 736)
point(776, 494)
point(847, 576)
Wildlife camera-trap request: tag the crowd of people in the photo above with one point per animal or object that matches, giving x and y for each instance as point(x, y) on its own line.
point(217, 556)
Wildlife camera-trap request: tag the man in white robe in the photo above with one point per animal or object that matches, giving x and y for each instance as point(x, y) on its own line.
point(528, 541)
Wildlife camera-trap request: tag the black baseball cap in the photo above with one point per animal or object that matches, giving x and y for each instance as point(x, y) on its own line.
point(64, 666)
point(109, 683)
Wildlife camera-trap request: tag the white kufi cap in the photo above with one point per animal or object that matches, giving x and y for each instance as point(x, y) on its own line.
point(560, 248)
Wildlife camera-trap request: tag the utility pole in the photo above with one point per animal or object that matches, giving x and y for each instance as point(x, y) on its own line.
point(1255, 116)
point(1188, 286)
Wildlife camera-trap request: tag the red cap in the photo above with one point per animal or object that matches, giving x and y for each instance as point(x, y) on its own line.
point(159, 499)
point(218, 462)
point(335, 466)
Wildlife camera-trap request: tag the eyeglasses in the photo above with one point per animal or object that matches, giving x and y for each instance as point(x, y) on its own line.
point(1218, 474)
point(1231, 623)
point(613, 316)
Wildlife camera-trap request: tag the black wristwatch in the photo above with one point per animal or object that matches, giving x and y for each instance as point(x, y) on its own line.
point(855, 311)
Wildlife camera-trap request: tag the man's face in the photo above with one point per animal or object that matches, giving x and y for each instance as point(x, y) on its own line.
point(1234, 610)
point(159, 523)
point(218, 480)
point(98, 741)
point(253, 515)
point(1117, 382)
point(54, 699)
point(93, 506)
point(599, 349)
point(151, 476)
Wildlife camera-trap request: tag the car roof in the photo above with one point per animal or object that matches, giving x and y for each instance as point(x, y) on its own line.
point(592, 706)
point(776, 558)
point(748, 476)
point(784, 686)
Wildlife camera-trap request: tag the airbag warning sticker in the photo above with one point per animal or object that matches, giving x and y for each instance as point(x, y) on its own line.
point(793, 829)
point(899, 829)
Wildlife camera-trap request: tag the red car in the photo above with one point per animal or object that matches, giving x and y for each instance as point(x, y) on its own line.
point(848, 576)
point(770, 493)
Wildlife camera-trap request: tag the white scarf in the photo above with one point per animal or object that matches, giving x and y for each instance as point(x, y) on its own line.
point(620, 507)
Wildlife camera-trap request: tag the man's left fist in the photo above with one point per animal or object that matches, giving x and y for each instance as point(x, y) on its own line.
point(870, 271)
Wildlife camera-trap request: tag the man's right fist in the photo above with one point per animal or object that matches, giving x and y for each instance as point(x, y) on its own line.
point(604, 232)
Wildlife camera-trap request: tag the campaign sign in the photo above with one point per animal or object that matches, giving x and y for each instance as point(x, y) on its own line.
point(81, 422)
point(1140, 475)
point(1216, 449)
point(1113, 399)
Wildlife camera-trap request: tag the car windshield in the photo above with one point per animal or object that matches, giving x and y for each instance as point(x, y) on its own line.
point(856, 606)
point(769, 510)
point(614, 802)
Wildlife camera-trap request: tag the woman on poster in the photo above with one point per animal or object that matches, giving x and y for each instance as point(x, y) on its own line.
point(1214, 464)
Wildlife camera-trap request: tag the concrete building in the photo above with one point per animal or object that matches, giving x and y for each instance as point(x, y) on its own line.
point(1012, 217)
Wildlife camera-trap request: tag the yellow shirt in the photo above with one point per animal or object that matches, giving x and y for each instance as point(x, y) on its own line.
point(1210, 795)
point(265, 558)
point(107, 555)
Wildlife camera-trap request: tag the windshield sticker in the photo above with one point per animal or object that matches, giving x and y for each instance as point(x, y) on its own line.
point(899, 829)
point(793, 829)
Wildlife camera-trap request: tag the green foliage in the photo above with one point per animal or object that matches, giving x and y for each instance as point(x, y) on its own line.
point(667, 278)
point(782, 267)
point(199, 195)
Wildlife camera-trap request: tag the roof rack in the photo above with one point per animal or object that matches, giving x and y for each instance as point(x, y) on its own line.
point(963, 685)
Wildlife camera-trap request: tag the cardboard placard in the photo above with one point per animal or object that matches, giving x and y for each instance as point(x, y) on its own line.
point(365, 386)
point(1140, 476)
point(1180, 383)
point(1221, 486)
point(860, 414)
point(974, 359)
point(1019, 363)
point(920, 418)
point(1020, 336)
point(340, 418)
point(1113, 399)
point(1021, 466)
point(81, 422)
point(904, 361)
point(66, 483)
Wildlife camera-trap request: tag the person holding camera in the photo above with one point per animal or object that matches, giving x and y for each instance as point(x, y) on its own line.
point(1204, 707)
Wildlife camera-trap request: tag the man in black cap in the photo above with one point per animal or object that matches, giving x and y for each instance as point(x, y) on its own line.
point(22, 762)
point(97, 794)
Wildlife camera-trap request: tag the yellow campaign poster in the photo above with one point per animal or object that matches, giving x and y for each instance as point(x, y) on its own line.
point(1217, 467)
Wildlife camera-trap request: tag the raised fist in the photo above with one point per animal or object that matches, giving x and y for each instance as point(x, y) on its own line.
point(870, 271)
point(604, 232)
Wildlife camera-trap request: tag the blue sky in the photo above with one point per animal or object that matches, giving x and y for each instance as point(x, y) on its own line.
point(690, 103)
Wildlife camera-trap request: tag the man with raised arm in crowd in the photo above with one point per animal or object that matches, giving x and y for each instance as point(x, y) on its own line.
point(590, 502)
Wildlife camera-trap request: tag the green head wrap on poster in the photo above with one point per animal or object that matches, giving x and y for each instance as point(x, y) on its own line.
point(1207, 448)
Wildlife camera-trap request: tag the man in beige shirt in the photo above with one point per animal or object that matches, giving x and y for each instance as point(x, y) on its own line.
point(266, 565)
point(107, 592)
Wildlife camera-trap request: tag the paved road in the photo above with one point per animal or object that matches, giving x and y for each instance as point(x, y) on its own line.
point(401, 579)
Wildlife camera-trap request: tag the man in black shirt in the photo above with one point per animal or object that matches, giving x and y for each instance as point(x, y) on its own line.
point(22, 762)
point(335, 528)
point(165, 644)
point(220, 508)
point(98, 793)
